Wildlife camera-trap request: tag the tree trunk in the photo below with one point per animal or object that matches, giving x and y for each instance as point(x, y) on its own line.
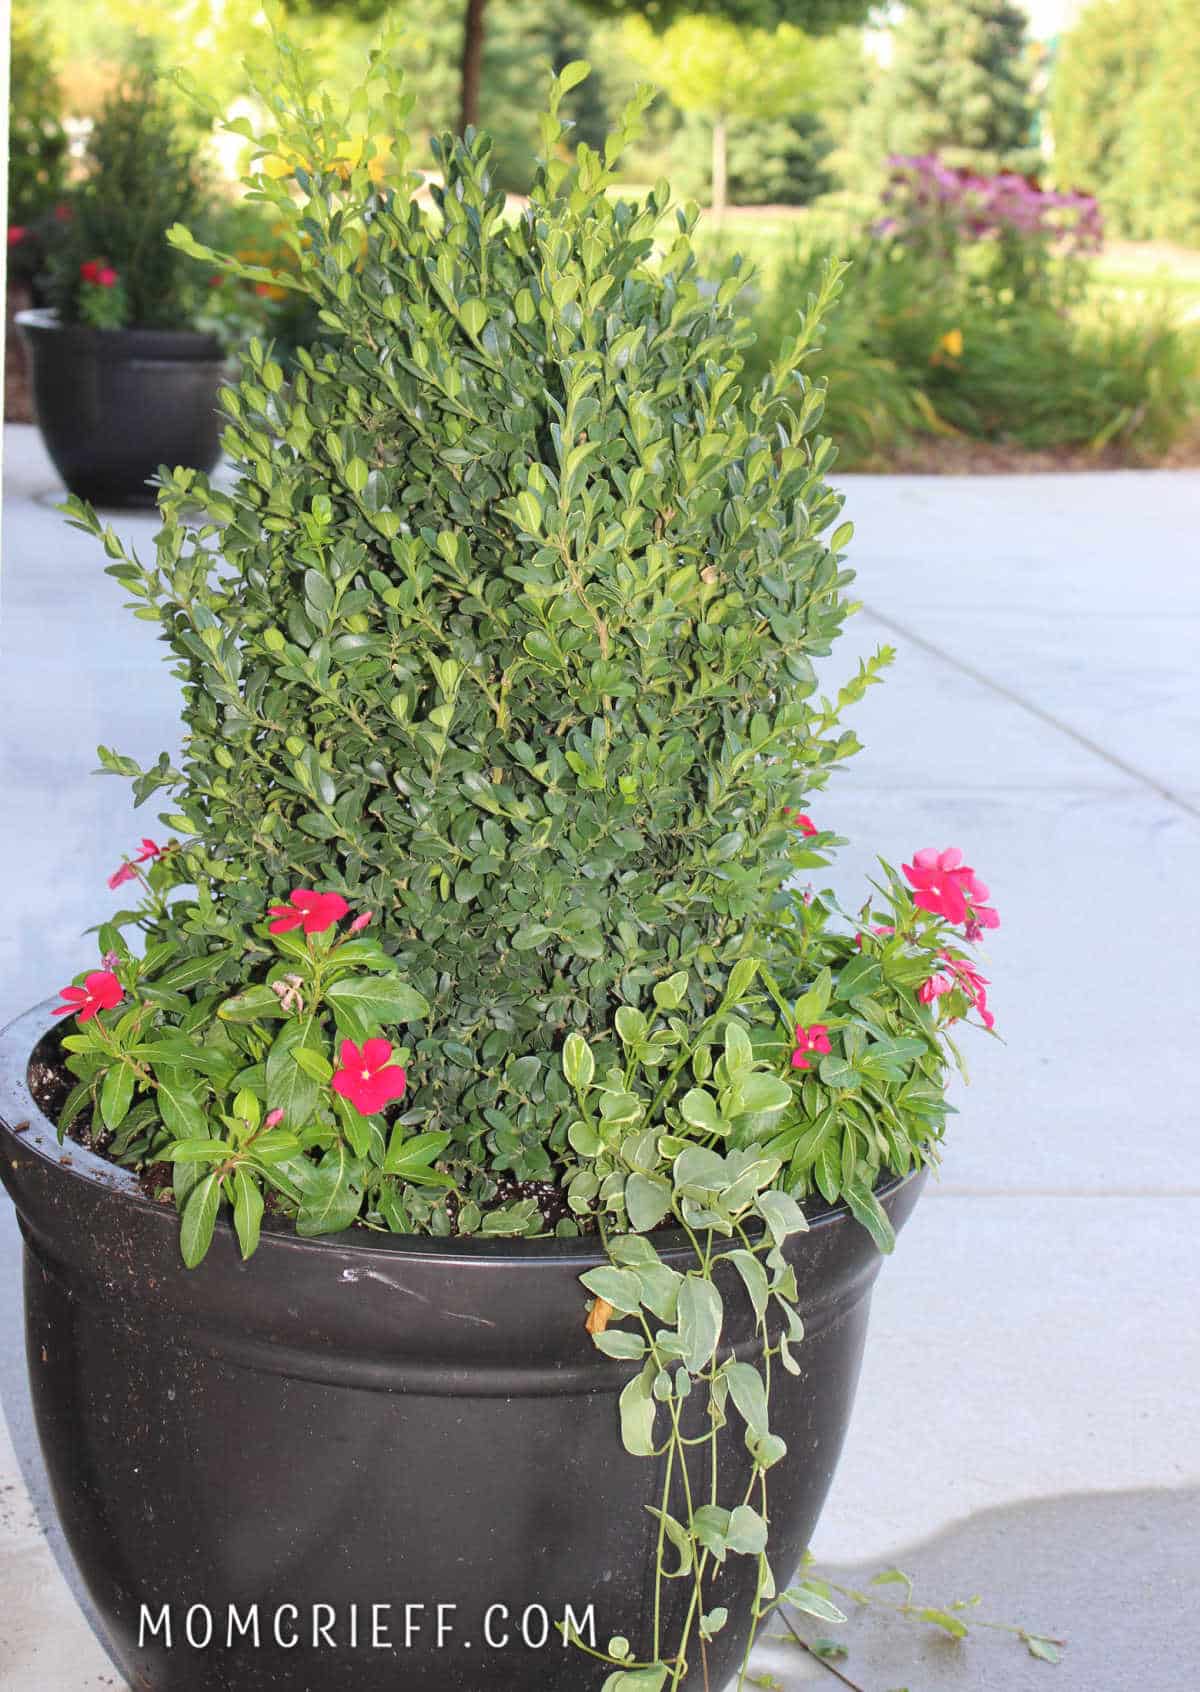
point(471, 68)
point(719, 169)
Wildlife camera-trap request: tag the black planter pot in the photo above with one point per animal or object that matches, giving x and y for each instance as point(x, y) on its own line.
point(370, 1420)
point(114, 404)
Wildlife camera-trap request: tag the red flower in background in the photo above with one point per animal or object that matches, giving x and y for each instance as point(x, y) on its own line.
point(90, 269)
point(107, 277)
point(16, 234)
point(312, 911)
point(101, 991)
point(367, 1077)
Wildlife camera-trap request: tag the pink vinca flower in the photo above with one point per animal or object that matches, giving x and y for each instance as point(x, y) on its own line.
point(963, 977)
point(367, 1077)
point(799, 820)
point(272, 1119)
point(312, 911)
point(126, 872)
point(948, 888)
point(814, 1039)
point(975, 987)
point(361, 922)
point(101, 991)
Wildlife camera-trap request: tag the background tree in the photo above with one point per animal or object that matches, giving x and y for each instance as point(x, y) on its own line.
point(37, 141)
point(718, 70)
point(958, 86)
point(1125, 96)
point(813, 17)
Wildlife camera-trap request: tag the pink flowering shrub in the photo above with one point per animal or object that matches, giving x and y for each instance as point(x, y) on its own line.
point(1018, 227)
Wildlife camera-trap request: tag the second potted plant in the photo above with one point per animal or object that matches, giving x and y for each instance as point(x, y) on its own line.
point(123, 381)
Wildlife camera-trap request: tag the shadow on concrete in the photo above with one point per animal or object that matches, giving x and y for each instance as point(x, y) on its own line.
point(1110, 1573)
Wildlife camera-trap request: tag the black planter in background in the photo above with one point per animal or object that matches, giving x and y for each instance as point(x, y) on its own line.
point(115, 404)
point(371, 1419)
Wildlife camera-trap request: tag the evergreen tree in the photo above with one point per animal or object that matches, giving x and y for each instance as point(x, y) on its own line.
point(959, 86)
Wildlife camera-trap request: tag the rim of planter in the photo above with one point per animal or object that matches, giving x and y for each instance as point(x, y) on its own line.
point(19, 1042)
point(172, 345)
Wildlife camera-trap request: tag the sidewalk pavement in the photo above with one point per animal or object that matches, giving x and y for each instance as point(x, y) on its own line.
point(1028, 1424)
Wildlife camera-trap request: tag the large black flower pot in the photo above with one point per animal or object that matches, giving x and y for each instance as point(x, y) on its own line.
point(115, 404)
point(397, 1458)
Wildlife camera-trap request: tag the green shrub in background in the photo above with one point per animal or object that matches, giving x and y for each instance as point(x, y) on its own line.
point(37, 147)
point(37, 141)
point(772, 161)
point(1125, 95)
point(918, 347)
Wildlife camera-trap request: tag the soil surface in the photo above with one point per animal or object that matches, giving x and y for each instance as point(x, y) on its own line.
point(50, 1081)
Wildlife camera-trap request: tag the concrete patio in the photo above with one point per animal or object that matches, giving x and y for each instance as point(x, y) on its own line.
point(1028, 1424)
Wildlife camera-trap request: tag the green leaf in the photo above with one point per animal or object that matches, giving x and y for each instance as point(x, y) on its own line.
point(1044, 1649)
point(579, 1066)
point(748, 1392)
point(782, 1215)
point(867, 1209)
point(811, 1006)
point(836, 1072)
point(384, 998)
point(671, 993)
point(754, 1276)
point(638, 1410)
point(572, 74)
point(251, 1005)
point(411, 1159)
point(806, 1597)
point(647, 1201)
point(762, 1094)
point(679, 1537)
point(247, 1211)
point(290, 1088)
point(179, 1105)
point(700, 1317)
point(199, 1219)
point(197, 1151)
point(618, 1287)
point(314, 1064)
point(332, 1197)
point(116, 1095)
point(474, 316)
point(637, 1680)
point(699, 1110)
point(952, 1625)
point(618, 1343)
point(747, 1532)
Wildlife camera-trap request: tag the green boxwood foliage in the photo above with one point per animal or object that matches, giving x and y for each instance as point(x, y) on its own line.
point(507, 627)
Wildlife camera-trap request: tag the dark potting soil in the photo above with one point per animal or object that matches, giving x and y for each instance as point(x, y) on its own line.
point(50, 1082)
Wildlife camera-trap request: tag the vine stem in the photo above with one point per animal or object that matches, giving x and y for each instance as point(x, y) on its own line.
point(817, 1657)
